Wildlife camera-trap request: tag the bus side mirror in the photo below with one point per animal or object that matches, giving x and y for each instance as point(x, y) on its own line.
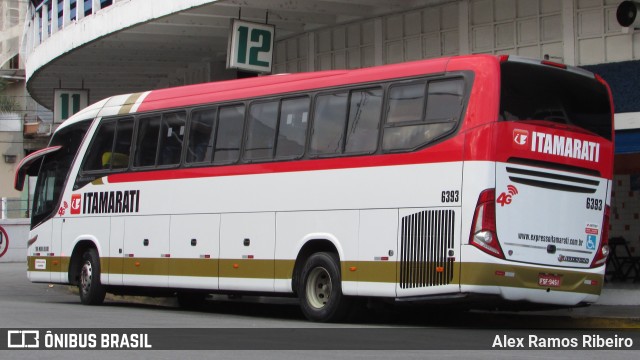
point(627, 14)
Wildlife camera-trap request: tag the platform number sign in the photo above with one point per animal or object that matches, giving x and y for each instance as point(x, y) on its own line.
point(251, 46)
point(68, 102)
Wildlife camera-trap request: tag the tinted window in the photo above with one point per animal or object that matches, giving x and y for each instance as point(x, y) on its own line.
point(533, 92)
point(147, 141)
point(444, 100)
point(406, 103)
point(229, 134)
point(201, 136)
point(409, 126)
point(261, 131)
point(329, 120)
point(171, 138)
point(346, 122)
point(54, 171)
point(99, 154)
point(111, 146)
point(364, 121)
point(292, 132)
point(122, 146)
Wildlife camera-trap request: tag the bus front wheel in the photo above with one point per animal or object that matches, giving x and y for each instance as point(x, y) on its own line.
point(91, 290)
point(320, 289)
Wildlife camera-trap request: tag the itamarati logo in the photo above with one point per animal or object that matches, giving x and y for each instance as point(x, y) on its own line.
point(565, 146)
point(106, 202)
point(520, 137)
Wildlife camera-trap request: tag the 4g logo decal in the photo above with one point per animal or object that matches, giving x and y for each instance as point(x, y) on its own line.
point(506, 197)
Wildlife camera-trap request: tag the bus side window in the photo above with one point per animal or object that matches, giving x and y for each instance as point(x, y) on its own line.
point(122, 146)
point(147, 141)
point(171, 138)
point(330, 116)
point(409, 126)
point(364, 121)
point(292, 132)
point(201, 136)
point(228, 134)
point(444, 101)
point(261, 131)
point(98, 157)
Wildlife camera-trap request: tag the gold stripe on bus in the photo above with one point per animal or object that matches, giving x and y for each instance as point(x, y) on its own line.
point(284, 269)
point(128, 104)
point(527, 277)
point(247, 268)
point(161, 266)
point(369, 271)
point(97, 181)
point(193, 267)
point(365, 271)
point(145, 266)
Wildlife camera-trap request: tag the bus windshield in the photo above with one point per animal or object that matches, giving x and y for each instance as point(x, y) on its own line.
point(544, 93)
point(54, 171)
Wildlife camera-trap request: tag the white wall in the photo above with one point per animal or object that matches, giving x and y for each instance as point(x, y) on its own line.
point(17, 231)
point(576, 32)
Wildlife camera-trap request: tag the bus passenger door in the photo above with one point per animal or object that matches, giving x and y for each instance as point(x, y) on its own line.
point(195, 242)
point(146, 251)
point(247, 247)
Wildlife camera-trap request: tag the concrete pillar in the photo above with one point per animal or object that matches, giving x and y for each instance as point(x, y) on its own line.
point(54, 17)
point(378, 42)
point(79, 9)
point(463, 27)
point(36, 37)
point(568, 32)
point(95, 6)
point(66, 12)
point(45, 22)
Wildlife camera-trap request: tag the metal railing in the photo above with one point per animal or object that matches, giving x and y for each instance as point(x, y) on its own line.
point(14, 208)
point(50, 16)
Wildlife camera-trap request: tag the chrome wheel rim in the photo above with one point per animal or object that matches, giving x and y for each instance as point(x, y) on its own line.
point(86, 274)
point(319, 288)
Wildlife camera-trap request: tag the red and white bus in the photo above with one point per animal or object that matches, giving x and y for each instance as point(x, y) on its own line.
point(465, 177)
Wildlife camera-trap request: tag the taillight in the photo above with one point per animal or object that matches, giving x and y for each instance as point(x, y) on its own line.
point(483, 228)
point(554, 64)
point(603, 250)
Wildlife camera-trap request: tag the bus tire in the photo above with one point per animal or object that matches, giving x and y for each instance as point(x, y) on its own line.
point(320, 289)
point(91, 290)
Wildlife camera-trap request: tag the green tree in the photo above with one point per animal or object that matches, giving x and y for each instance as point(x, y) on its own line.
point(7, 103)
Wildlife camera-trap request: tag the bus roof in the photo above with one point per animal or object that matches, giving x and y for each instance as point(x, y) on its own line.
point(262, 86)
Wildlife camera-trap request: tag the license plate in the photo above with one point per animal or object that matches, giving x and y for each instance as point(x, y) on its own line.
point(549, 280)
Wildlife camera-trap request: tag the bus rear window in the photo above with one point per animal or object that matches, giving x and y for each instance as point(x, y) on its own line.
point(534, 92)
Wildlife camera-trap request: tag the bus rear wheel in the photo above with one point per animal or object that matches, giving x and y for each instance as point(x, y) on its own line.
point(91, 290)
point(320, 289)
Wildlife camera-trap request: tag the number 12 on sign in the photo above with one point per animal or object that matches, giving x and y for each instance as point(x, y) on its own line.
point(251, 46)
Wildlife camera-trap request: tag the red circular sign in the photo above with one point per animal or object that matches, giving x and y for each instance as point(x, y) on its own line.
point(4, 241)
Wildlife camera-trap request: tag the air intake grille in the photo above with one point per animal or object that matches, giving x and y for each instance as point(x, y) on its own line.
point(426, 238)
